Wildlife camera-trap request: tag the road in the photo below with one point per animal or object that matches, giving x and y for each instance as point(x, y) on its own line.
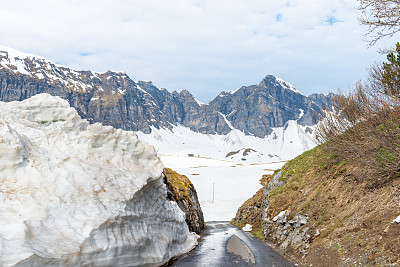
point(225, 245)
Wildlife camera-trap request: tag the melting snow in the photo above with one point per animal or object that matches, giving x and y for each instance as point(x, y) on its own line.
point(247, 228)
point(77, 192)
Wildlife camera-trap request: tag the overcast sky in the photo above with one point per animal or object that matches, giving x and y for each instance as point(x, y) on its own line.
point(204, 46)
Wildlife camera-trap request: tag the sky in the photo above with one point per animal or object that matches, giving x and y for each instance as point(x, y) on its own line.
point(204, 46)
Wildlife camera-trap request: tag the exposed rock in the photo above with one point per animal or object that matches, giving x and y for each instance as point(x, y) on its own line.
point(274, 183)
point(285, 232)
point(280, 230)
point(181, 190)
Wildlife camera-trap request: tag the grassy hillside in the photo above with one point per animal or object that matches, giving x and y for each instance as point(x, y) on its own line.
point(350, 216)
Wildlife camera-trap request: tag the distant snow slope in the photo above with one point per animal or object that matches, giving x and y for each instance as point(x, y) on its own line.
point(81, 194)
point(283, 143)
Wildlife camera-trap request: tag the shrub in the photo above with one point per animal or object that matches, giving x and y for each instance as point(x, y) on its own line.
point(363, 126)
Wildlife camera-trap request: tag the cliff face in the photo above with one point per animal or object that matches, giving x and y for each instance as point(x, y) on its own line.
point(320, 211)
point(271, 103)
point(112, 98)
point(182, 191)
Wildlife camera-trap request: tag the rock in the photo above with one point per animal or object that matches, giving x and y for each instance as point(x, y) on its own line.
point(182, 191)
point(250, 211)
point(274, 183)
point(285, 233)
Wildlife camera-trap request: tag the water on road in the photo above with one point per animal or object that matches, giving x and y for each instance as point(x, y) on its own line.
point(224, 245)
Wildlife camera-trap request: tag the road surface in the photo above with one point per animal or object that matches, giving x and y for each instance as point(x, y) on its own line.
point(225, 245)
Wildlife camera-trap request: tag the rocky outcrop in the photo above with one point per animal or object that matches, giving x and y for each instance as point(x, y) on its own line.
point(284, 231)
point(281, 230)
point(288, 233)
point(112, 98)
point(182, 191)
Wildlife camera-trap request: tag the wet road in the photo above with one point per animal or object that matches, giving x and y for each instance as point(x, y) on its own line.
point(225, 245)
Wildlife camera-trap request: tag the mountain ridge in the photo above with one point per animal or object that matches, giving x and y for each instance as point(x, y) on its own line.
point(113, 98)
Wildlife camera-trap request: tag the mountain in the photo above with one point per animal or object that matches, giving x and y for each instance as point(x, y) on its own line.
point(113, 98)
point(271, 103)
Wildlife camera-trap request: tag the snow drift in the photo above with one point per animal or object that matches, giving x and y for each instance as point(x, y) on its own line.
point(81, 194)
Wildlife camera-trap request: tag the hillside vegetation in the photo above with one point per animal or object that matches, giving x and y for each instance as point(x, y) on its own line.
point(350, 222)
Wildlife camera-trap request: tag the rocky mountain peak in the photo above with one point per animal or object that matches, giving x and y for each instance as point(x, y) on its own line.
point(272, 82)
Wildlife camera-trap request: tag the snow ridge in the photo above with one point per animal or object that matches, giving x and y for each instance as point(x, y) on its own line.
point(41, 68)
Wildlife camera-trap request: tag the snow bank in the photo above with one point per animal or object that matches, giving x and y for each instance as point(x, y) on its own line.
point(81, 194)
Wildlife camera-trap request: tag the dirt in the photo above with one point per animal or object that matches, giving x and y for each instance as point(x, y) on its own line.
point(182, 191)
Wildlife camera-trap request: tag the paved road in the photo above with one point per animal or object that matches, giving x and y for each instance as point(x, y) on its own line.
point(225, 245)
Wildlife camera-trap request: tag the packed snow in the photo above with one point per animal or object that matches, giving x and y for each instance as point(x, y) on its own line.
point(226, 169)
point(74, 193)
point(247, 228)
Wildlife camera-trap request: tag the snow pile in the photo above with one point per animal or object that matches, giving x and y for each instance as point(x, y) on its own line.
point(247, 228)
point(81, 194)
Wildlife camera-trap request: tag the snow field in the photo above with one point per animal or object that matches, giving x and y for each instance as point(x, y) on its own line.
point(233, 183)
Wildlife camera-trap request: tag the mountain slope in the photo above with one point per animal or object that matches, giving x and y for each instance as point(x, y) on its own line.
point(324, 212)
point(112, 98)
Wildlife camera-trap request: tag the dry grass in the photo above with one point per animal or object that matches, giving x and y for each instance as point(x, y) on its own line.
point(354, 220)
point(364, 128)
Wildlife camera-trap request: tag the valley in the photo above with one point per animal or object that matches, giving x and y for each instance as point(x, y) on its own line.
point(233, 183)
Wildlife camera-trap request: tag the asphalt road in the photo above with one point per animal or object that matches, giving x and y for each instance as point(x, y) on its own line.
point(225, 245)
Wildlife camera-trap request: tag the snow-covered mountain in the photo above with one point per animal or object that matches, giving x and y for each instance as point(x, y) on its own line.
point(113, 98)
point(80, 194)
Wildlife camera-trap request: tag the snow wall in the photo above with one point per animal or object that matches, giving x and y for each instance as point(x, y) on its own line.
point(74, 193)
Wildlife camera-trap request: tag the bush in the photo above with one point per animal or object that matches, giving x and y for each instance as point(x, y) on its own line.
point(363, 126)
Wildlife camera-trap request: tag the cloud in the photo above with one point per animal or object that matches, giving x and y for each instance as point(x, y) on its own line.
point(201, 45)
